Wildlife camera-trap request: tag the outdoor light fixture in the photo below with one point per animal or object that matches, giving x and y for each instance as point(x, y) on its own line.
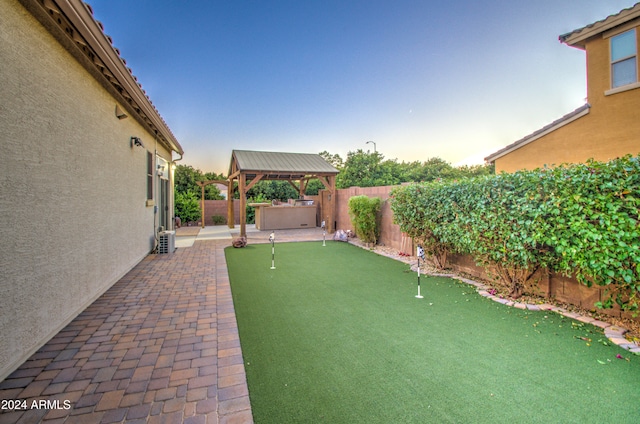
point(135, 141)
point(374, 145)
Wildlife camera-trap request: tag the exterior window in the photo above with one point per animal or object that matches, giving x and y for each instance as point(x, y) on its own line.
point(624, 58)
point(149, 176)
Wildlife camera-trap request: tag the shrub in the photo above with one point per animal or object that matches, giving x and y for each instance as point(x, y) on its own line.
point(575, 219)
point(187, 206)
point(417, 209)
point(596, 234)
point(250, 210)
point(219, 220)
point(365, 217)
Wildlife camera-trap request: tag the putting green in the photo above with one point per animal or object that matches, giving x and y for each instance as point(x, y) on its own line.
point(335, 334)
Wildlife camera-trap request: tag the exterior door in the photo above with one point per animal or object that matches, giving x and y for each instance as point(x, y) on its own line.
point(163, 203)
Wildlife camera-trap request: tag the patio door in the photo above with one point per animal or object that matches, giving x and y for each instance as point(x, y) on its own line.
point(164, 214)
point(163, 201)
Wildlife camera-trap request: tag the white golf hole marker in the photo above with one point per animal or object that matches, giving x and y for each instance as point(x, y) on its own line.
point(324, 233)
point(420, 254)
point(272, 239)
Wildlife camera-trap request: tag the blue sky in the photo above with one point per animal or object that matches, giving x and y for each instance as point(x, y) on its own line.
point(457, 79)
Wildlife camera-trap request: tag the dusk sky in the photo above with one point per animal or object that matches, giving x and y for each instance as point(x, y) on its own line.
point(456, 79)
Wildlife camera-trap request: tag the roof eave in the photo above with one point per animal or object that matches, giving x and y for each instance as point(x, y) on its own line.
point(90, 34)
point(578, 38)
point(565, 120)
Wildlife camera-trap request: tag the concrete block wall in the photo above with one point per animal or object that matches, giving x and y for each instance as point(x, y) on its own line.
point(390, 234)
point(219, 207)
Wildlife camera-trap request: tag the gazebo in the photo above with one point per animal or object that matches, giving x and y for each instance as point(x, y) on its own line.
point(249, 167)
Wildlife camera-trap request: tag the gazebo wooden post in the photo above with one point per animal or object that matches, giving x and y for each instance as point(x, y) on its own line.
point(303, 186)
point(243, 204)
point(202, 202)
point(230, 213)
point(334, 201)
point(328, 206)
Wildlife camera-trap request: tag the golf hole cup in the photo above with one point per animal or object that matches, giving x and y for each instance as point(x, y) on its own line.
point(272, 239)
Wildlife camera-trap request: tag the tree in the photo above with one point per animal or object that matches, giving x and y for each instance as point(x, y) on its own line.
point(433, 169)
point(334, 160)
point(271, 190)
point(361, 169)
point(186, 178)
point(314, 186)
point(187, 206)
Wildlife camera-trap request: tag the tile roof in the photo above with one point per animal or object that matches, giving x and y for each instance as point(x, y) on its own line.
point(577, 38)
point(569, 117)
point(73, 24)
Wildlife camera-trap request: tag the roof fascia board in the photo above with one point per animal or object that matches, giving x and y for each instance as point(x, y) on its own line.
point(523, 142)
point(577, 38)
point(81, 18)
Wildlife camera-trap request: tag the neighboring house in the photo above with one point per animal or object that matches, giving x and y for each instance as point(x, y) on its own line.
point(86, 178)
point(223, 189)
point(608, 126)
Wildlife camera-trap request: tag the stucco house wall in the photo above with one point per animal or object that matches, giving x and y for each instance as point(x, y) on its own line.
point(73, 191)
point(609, 129)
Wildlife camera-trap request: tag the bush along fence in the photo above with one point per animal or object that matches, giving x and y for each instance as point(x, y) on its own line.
point(581, 220)
point(365, 217)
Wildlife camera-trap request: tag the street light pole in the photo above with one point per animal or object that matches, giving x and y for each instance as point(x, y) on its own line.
point(374, 145)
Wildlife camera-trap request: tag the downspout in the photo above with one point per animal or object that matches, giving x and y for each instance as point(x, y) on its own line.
point(173, 190)
point(155, 194)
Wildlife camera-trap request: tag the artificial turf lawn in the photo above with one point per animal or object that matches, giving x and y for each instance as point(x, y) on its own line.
point(335, 334)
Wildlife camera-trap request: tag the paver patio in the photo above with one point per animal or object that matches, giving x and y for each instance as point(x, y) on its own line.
point(160, 346)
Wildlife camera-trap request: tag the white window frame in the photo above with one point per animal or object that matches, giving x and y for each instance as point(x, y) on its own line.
point(629, 86)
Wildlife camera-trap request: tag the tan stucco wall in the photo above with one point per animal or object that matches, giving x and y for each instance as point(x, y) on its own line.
point(72, 190)
point(610, 130)
point(285, 217)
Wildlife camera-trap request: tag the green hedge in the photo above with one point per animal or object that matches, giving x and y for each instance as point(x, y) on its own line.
point(580, 220)
point(365, 217)
point(187, 207)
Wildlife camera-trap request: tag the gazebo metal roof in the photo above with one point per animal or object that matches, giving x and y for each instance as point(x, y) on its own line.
point(278, 165)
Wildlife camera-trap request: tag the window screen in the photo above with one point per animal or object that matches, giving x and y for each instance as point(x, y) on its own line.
point(624, 68)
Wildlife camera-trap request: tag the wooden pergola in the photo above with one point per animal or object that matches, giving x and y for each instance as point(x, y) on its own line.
point(249, 167)
point(202, 185)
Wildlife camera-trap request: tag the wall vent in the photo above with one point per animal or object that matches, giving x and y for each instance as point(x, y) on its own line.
point(166, 242)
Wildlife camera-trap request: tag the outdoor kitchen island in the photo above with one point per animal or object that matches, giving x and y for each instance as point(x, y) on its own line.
point(299, 214)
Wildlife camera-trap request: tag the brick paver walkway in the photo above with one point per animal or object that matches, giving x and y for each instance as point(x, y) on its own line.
point(160, 346)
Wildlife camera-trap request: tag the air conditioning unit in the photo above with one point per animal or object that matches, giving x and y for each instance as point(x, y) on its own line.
point(166, 242)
